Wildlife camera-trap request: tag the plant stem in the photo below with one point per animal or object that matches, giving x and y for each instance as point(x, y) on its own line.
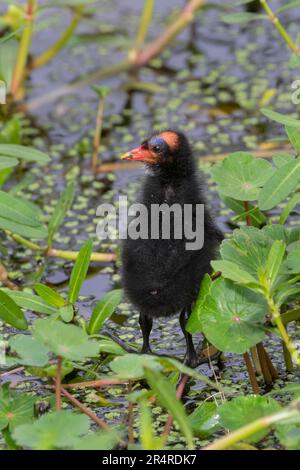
point(84, 409)
point(24, 48)
point(289, 41)
point(130, 416)
point(264, 366)
point(97, 136)
point(58, 384)
point(185, 17)
point(95, 383)
point(179, 392)
point(287, 358)
point(251, 374)
point(144, 24)
point(248, 216)
point(134, 61)
point(282, 330)
point(52, 252)
point(255, 360)
point(258, 425)
point(50, 53)
point(72, 255)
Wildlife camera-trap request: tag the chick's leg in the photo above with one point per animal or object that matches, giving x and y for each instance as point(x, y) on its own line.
point(146, 327)
point(191, 357)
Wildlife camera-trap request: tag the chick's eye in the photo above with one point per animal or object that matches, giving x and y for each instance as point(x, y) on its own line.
point(156, 148)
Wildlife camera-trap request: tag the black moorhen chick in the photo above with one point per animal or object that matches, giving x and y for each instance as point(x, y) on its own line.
point(161, 277)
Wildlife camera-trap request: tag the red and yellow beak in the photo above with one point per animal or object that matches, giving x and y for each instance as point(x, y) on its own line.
point(139, 154)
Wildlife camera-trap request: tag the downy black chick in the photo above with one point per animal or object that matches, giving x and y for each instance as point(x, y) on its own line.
point(161, 277)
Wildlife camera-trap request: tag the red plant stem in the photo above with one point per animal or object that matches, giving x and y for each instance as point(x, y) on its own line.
point(264, 365)
point(179, 392)
point(95, 383)
point(84, 409)
point(251, 374)
point(58, 384)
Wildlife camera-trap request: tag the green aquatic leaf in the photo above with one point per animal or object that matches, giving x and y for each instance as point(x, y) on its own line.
point(21, 152)
point(57, 430)
point(61, 209)
point(79, 271)
point(102, 440)
point(293, 260)
point(194, 322)
point(104, 309)
point(30, 301)
point(243, 410)
point(8, 56)
point(233, 317)
point(50, 296)
point(240, 176)
point(16, 208)
point(257, 217)
point(205, 420)
point(165, 392)
point(290, 205)
point(11, 313)
point(280, 185)
point(131, 366)
point(15, 408)
point(280, 159)
point(274, 261)
point(288, 6)
point(242, 17)
point(232, 271)
point(67, 313)
point(294, 137)
point(30, 351)
point(65, 340)
point(7, 162)
point(286, 120)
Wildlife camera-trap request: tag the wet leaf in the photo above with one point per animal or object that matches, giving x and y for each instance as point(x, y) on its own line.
point(50, 296)
point(281, 118)
point(24, 153)
point(233, 316)
point(194, 322)
point(131, 366)
point(30, 302)
point(243, 410)
point(30, 351)
point(67, 313)
point(79, 271)
point(65, 340)
point(165, 393)
point(242, 17)
point(280, 185)
point(104, 309)
point(294, 137)
point(241, 175)
point(56, 430)
point(11, 313)
point(15, 408)
point(7, 162)
point(205, 420)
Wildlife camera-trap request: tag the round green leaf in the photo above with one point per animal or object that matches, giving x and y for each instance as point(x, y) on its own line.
point(243, 410)
point(57, 430)
point(232, 317)
point(240, 176)
point(68, 341)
